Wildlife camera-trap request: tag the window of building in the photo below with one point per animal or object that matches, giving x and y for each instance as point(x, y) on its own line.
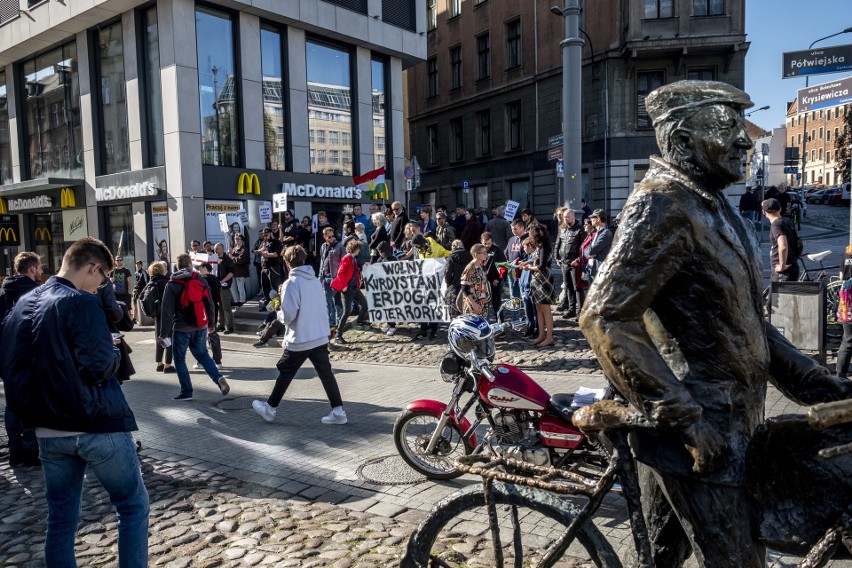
point(432, 135)
point(152, 93)
point(819, 154)
point(118, 220)
point(708, 74)
point(820, 113)
point(432, 76)
point(456, 67)
point(48, 239)
point(347, 157)
point(828, 155)
point(454, 8)
point(828, 134)
point(432, 15)
point(313, 155)
point(218, 88)
point(655, 9)
point(334, 156)
point(345, 139)
point(836, 133)
point(820, 133)
point(5, 140)
point(792, 140)
point(800, 120)
point(54, 147)
point(813, 155)
point(800, 139)
point(483, 129)
point(329, 99)
point(483, 56)
point(513, 44)
point(274, 127)
point(321, 156)
point(513, 122)
point(708, 7)
point(380, 111)
point(813, 136)
point(114, 139)
point(333, 137)
point(646, 81)
point(456, 140)
point(520, 192)
point(312, 137)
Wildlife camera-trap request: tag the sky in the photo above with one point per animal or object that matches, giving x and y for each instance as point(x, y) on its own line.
point(777, 26)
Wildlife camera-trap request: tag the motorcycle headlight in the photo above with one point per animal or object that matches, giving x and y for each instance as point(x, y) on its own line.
point(450, 366)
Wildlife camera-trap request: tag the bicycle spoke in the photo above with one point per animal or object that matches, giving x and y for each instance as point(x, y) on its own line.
point(517, 544)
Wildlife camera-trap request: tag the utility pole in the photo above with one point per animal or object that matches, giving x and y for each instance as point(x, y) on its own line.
point(572, 107)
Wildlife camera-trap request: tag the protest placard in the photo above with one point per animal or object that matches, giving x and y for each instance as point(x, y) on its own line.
point(511, 210)
point(406, 291)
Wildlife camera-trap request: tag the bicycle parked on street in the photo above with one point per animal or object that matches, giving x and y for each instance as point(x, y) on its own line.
point(831, 280)
point(530, 523)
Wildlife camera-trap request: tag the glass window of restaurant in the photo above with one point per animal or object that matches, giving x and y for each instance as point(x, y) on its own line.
point(53, 135)
point(118, 220)
point(153, 91)
point(329, 102)
point(380, 114)
point(5, 141)
point(274, 127)
point(114, 139)
point(218, 88)
point(46, 234)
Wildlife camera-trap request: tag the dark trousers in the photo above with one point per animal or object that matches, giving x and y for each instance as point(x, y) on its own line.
point(573, 300)
point(352, 294)
point(21, 439)
point(292, 361)
point(532, 316)
point(270, 279)
point(496, 298)
point(714, 521)
point(431, 327)
point(215, 343)
point(844, 354)
point(159, 351)
point(272, 328)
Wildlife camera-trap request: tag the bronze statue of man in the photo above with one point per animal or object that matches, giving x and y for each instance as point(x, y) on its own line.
point(675, 318)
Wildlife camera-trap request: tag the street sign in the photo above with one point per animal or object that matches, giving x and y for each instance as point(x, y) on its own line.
point(415, 165)
point(554, 153)
point(408, 184)
point(554, 141)
point(791, 170)
point(816, 61)
point(409, 173)
point(827, 95)
point(560, 169)
point(466, 186)
point(798, 177)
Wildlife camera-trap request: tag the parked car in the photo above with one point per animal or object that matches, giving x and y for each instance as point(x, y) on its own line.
point(816, 196)
point(844, 195)
point(832, 197)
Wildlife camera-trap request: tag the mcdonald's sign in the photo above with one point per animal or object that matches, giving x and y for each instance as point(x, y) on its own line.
point(248, 184)
point(8, 237)
point(42, 235)
point(67, 198)
point(4, 209)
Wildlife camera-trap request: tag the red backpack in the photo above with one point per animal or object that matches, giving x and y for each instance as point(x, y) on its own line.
point(192, 300)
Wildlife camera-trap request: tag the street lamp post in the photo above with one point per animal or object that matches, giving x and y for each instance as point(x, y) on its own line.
point(572, 108)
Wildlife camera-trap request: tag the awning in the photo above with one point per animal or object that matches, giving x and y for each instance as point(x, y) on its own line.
point(40, 184)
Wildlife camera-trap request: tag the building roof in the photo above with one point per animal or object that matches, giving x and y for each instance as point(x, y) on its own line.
point(754, 131)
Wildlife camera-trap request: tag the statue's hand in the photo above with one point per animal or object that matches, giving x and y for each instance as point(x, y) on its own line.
point(705, 445)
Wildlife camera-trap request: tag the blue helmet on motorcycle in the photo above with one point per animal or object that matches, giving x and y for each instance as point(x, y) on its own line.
point(470, 332)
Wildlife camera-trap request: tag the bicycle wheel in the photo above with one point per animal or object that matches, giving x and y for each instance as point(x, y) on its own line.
point(456, 533)
point(832, 301)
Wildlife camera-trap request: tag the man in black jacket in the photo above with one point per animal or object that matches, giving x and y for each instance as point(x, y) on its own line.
point(23, 447)
point(185, 333)
point(567, 249)
point(70, 395)
point(400, 220)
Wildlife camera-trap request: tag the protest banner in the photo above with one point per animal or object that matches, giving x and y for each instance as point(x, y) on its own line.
point(406, 291)
point(511, 210)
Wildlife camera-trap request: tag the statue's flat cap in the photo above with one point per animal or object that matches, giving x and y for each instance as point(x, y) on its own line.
point(682, 96)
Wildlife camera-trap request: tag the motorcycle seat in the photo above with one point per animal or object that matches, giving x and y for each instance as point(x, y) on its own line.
point(560, 403)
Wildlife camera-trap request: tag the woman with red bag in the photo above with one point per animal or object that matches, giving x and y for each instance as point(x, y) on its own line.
point(582, 262)
point(348, 283)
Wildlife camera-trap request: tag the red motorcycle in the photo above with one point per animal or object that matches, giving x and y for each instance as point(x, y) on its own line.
point(523, 420)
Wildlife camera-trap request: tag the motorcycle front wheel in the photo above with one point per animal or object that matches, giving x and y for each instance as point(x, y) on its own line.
point(411, 434)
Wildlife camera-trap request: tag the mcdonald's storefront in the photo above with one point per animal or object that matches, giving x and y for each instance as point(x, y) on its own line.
point(49, 221)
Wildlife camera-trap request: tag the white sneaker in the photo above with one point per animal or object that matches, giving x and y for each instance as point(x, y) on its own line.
point(197, 366)
point(390, 331)
point(219, 366)
point(335, 417)
point(265, 411)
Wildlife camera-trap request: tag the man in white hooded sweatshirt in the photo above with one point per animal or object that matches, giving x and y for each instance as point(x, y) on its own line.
point(306, 337)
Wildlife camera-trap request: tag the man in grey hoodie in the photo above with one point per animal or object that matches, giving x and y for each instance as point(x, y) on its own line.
point(306, 337)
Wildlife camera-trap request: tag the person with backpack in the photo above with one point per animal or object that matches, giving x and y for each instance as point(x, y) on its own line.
point(786, 245)
point(213, 339)
point(150, 302)
point(187, 307)
point(23, 447)
point(306, 338)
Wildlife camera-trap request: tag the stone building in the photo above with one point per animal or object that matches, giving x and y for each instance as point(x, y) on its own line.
point(820, 154)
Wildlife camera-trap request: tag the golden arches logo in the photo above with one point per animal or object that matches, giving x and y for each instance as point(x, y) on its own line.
point(67, 198)
point(248, 183)
point(7, 235)
point(4, 209)
point(43, 234)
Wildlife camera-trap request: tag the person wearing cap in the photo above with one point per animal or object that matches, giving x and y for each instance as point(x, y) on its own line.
point(783, 257)
point(676, 320)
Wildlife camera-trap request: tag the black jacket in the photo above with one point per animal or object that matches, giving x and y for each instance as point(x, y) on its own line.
point(59, 362)
point(380, 235)
point(11, 291)
point(397, 231)
point(172, 318)
point(495, 255)
point(568, 241)
point(456, 263)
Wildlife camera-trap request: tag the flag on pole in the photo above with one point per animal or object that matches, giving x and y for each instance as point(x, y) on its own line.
point(372, 184)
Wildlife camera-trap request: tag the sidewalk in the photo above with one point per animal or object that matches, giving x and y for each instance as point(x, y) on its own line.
point(229, 489)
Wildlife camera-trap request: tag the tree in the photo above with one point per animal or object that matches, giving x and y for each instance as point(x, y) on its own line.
point(841, 148)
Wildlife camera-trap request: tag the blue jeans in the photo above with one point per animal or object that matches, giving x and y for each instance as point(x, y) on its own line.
point(112, 458)
point(196, 341)
point(333, 303)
